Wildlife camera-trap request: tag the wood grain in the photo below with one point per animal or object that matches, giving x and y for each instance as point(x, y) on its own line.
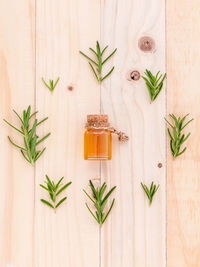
point(135, 234)
point(69, 237)
point(42, 38)
point(17, 68)
point(183, 198)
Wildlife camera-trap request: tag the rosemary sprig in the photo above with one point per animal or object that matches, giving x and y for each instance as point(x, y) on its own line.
point(99, 201)
point(54, 190)
point(31, 139)
point(176, 137)
point(150, 192)
point(100, 62)
point(51, 85)
point(154, 83)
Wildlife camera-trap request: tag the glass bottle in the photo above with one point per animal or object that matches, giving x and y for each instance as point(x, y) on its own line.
point(97, 138)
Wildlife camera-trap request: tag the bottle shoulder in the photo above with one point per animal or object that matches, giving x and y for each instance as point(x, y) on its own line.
point(97, 131)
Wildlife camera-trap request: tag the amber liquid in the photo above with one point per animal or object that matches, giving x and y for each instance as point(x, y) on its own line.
point(97, 144)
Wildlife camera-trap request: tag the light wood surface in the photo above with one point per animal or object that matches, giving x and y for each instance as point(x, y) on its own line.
point(42, 39)
point(183, 198)
point(135, 233)
point(17, 82)
point(69, 237)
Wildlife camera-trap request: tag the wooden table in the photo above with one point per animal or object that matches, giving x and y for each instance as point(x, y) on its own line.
point(42, 38)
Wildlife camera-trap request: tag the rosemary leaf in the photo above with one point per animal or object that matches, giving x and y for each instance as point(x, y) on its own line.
point(58, 183)
point(47, 203)
point(15, 144)
point(154, 83)
point(18, 116)
point(54, 190)
point(88, 58)
point(104, 50)
point(42, 121)
point(51, 85)
point(44, 187)
point(39, 154)
point(93, 70)
point(150, 192)
point(60, 202)
point(29, 151)
point(63, 188)
point(88, 196)
point(99, 202)
point(13, 127)
point(25, 156)
point(43, 138)
point(97, 68)
point(108, 74)
point(92, 213)
point(109, 56)
point(109, 210)
point(176, 136)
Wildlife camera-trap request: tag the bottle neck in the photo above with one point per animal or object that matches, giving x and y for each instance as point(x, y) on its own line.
point(95, 125)
point(106, 126)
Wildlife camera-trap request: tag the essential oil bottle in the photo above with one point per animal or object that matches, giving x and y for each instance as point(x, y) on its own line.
point(97, 138)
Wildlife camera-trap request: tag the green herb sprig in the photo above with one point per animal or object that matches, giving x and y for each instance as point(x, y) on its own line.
point(31, 139)
point(99, 201)
point(176, 136)
point(150, 192)
point(51, 85)
point(54, 190)
point(154, 83)
point(100, 62)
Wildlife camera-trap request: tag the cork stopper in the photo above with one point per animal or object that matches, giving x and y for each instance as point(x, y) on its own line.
point(101, 121)
point(97, 118)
